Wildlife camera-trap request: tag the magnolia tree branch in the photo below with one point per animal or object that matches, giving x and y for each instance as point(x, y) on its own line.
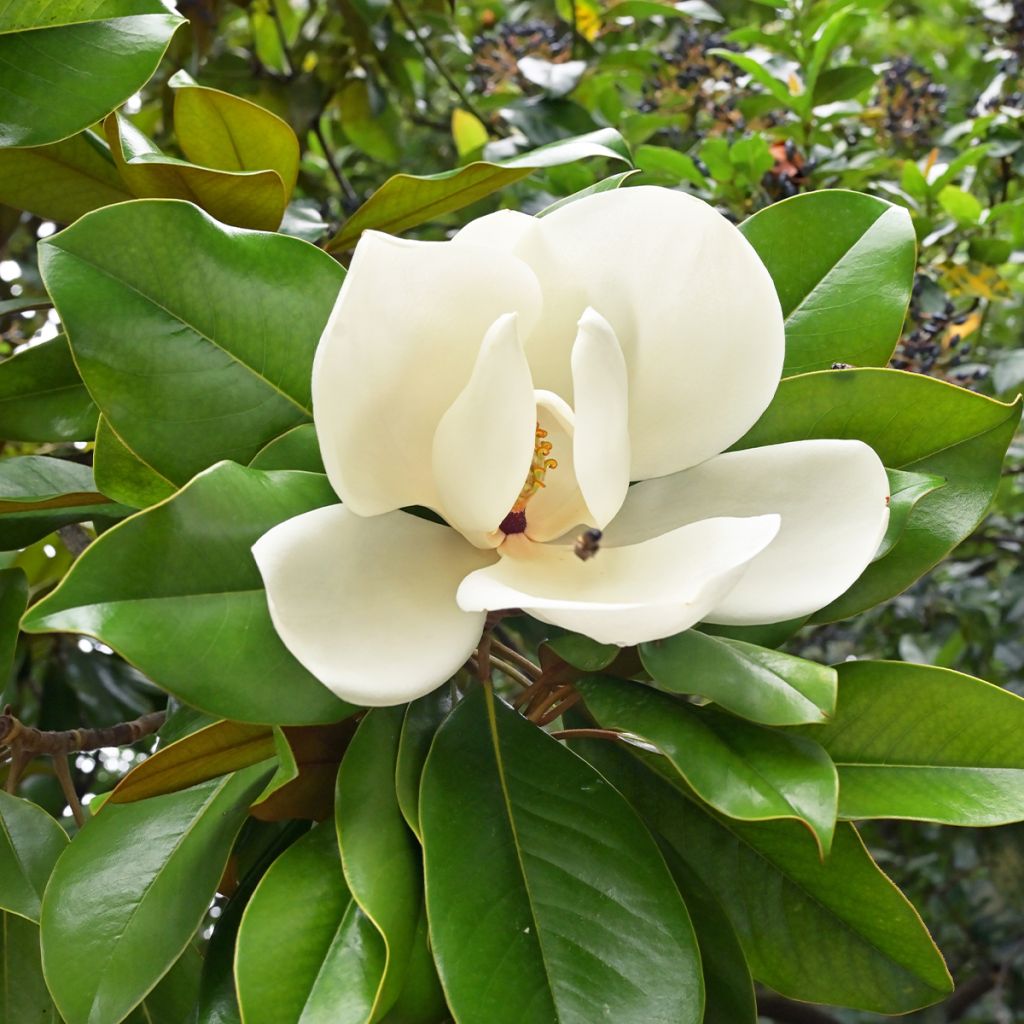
point(22, 743)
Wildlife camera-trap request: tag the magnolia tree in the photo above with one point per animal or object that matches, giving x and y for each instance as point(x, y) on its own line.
point(465, 571)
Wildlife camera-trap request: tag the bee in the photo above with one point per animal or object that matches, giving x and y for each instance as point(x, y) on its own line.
point(587, 544)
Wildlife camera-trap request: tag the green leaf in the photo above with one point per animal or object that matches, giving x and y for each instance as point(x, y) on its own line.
point(925, 743)
point(195, 340)
point(760, 684)
point(743, 770)
point(42, 397)
point(760, 73)
point(406, 200)
point(334, 954)
point(23, 992)
point(929, 427)
point(608, 184)
point(834, 932)
point(128, 894)
point(960, 205)
point(825, 41)
point(30, 843)
point(845, 82)
point(663, 165)
point(369, 121)
point(297, 448)
point(422, 719)
point(61, 181)
point(203, 755)
point(39, 494)
point(843, 265)
point(728, 987)
point(248, 199)
point(216, 129)
point(165, 588)
point(13, 598)
point(379, 856)
point(174, 998)
point(905, 491)
point(583, 653)
point(66, 64)
point(122, 475)
point(536, 870)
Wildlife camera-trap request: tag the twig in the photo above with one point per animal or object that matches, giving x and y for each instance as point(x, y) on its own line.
point(351, 195)
point(587, 734)
point(25, 742)
point(514, 656)
point(512, 672)
point(560, 709)
point(428, 55)
point(27, 739)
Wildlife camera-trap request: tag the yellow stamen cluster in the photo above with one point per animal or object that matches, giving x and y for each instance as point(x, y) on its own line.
point(538, 468)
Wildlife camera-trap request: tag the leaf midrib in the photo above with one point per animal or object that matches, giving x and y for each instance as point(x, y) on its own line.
point(185, 323)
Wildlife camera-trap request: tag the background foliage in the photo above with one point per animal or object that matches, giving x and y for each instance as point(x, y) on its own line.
point(743, 103)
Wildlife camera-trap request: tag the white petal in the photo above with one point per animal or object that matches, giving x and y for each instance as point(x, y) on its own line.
point(622, 595)
point(484, 443)
point(831, 496)
point(368, 604)
point(601, 403)
point(398, 349)
point(559, 505)
point(691, 303)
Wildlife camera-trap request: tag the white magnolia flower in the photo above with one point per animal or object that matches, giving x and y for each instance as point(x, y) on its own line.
point(516, 380)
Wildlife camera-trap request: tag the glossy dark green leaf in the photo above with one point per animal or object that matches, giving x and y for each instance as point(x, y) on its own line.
point(421, 1000)
point(13, 598)
point(126, 898)
point(297, 448)
point(174, 998)
point(334, 955)
point(843, 265)
point(755, 682)
point(42, 397)
point(743, 770)
point(39, 494)
point(248, 199)
point(66, 64)
point(928, 426)
point(905, 491)
point(406, 200)
point(583, 653)
point(30, 843)
point(836, 931)
point(195, 340)
point(122, 476)
point(379, 855)
point(926, 743)
point(547, 898)
point(23, 992)
point(728, 987)
point(216, 129)
point(164, 588)
point(61, 181)
point(422, 719)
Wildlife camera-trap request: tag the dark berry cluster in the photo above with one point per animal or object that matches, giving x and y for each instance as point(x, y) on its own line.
point(496, 52)
point(911, 101)
point(935, 347)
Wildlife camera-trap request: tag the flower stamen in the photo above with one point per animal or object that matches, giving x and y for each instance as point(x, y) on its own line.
point(540, 466)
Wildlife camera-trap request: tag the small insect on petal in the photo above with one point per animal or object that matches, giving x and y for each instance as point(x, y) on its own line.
point(587, 544)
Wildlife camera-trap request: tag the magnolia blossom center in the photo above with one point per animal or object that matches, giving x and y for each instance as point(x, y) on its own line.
point(515, 521)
